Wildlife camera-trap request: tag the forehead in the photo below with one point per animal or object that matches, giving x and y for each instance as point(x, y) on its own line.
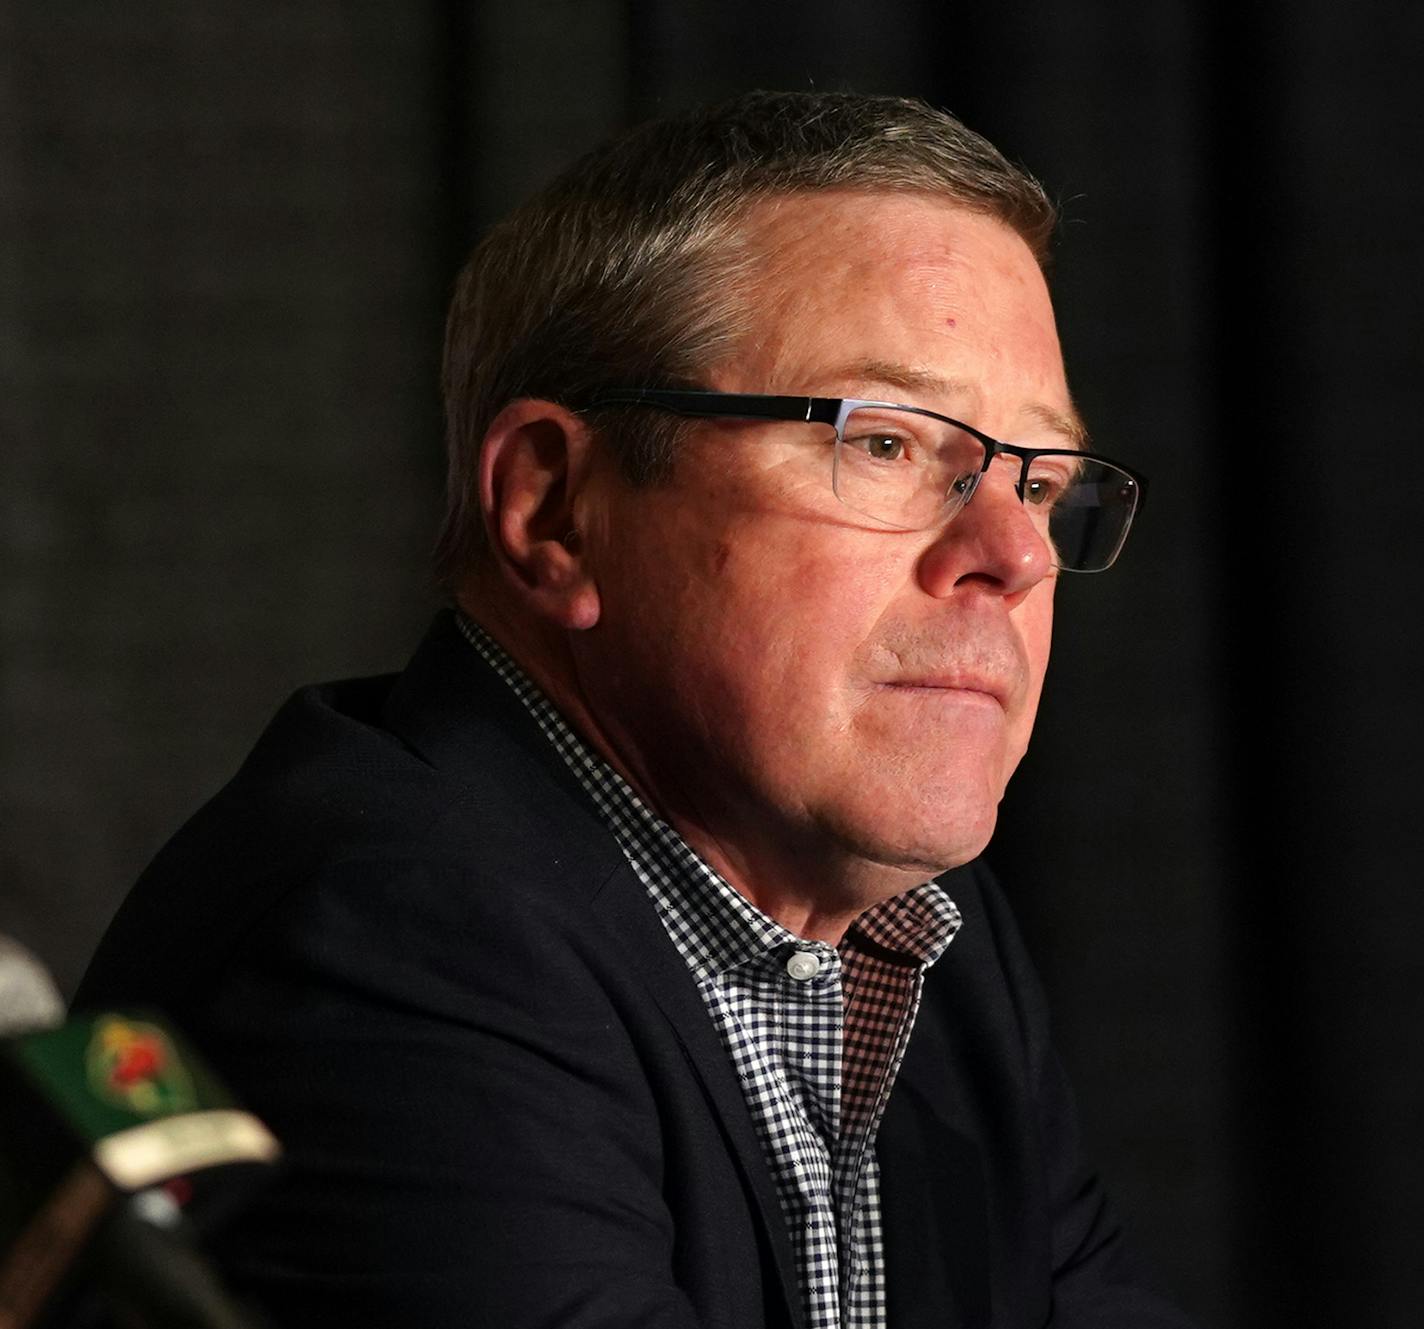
point(920, 286)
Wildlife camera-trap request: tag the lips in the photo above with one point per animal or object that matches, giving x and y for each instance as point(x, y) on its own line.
point(967, 654)
point(992, 665)
point(989, 687)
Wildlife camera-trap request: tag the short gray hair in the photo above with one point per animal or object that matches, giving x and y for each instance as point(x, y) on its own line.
point(629, 269)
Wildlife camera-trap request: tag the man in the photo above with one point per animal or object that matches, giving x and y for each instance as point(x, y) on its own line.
point(594, 971)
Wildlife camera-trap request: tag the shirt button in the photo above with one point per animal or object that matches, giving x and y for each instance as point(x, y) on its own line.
point(802, 965)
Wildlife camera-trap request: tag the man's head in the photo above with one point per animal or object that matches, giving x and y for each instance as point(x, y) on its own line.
point(633, 266)
point(826, 705)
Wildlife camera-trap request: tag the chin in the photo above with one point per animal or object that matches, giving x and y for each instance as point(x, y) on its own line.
point(924, 847)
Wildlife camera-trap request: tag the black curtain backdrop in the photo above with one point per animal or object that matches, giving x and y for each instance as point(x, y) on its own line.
point(227, 233)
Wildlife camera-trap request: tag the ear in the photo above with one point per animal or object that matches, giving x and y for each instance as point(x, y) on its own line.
point(535, 460)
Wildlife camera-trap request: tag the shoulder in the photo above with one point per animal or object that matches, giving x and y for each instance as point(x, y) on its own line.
point(348, 822)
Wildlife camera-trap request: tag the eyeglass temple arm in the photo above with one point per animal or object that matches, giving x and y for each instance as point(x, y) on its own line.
point(738, 405)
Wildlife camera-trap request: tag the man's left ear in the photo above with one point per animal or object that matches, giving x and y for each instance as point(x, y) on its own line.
point(536, 458)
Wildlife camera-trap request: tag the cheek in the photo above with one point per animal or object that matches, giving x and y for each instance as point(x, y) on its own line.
point(787, 630)
point(1036, 630)
point(780, 628)
point(758, 623)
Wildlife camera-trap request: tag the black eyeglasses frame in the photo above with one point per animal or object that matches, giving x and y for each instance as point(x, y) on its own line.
point(696, 403)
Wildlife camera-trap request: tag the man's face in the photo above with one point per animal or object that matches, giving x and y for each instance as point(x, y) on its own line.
point(798, 687)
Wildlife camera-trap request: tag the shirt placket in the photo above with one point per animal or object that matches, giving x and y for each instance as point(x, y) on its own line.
point(874, 1058)
point(809, 1046)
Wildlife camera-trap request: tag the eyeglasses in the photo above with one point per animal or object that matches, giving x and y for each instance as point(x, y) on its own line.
point(908, 469)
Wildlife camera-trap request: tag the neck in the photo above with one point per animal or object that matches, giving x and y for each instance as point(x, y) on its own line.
point(816, 895)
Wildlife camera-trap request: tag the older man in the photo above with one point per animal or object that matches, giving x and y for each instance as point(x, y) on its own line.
point(624, 960)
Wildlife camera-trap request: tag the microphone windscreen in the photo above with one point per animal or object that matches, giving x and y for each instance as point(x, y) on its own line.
point(28, 997)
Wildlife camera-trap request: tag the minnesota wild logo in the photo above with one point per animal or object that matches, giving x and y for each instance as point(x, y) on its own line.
point(134, 1066)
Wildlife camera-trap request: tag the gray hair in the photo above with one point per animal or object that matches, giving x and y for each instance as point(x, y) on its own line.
point(630, 268)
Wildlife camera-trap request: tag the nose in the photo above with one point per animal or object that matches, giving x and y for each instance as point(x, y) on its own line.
point(991, 540)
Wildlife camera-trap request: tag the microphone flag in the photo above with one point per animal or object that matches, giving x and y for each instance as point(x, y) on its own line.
point(93, 1112)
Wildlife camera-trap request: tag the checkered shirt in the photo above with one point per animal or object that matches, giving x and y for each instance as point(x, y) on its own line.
point(816, 1033)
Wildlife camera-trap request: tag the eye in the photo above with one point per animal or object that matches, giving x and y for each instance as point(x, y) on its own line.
point(1052, 477)
point(1042, 491)
point(880, 445)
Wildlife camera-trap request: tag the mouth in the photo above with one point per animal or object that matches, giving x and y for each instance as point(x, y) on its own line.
point(989, 689)
point(970, 662)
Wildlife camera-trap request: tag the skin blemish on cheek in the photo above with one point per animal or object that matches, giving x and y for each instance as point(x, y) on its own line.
point(721, 555)
point(951, 322)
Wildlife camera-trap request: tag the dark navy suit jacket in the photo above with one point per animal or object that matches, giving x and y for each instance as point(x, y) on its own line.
point(407, 942)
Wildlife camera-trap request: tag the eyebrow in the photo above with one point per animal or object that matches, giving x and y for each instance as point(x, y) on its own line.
point(1071, 426)
point(910, 379)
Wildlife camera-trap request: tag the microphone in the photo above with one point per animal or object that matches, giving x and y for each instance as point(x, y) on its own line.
point(28, 998)
point(112, 1133)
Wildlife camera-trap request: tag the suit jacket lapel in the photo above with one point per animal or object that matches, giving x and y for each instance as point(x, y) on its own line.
point(934, 1185)
point(933, 1211)
point(628, 910)
point(443, 707)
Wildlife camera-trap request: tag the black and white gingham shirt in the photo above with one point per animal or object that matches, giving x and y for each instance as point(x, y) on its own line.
point(816, 1033)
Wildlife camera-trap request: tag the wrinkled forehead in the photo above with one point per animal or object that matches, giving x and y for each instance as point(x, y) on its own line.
point(787, 234)
point(935, 292)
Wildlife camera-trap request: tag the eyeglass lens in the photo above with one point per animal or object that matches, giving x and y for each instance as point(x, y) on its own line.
point(910, 471)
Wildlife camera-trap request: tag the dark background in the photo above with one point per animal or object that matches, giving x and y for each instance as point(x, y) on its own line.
point(227, 232)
